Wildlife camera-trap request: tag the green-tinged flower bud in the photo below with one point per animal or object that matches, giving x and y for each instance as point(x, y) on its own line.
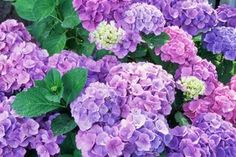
point(192, 87)
point(107, 35)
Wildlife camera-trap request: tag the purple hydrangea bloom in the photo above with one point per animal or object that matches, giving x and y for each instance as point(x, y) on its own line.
point(18, 133)
point(221, 40)
point(210, 135)
point(137, 135)
point(193, 17)
point(203, 70)
point(92, 12)
point(98, 104)
point(143, 85)
point(142, 17)
point(226, 15)
point(67, 60)
point(21, 61)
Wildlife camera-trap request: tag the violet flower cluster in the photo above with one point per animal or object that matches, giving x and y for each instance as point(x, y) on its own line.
point(143, 85)
point(19, 134)
point(221, 40)
point(203, 70)
point(21, 61)
point(222, 101)
point(143, 17)
point(210, 135)
point(226, 15)
point(179, 48)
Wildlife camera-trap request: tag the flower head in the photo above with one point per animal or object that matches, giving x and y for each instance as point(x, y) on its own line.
point(226, 15)
point(192, 87)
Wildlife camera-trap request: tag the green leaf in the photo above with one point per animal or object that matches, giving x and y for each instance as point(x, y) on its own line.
point(140, 52)
point(101, 53)
point(55, 43)
point(181, 119)
point(154, 41)
point(43, 8)
point(77, 153)
point(62, 124)
point(66, 155)
point(74, 81)
point(24, 9)
point(54, 82)
point(70, 22)
point(224, 70)
point(33, 103)
point(70, 16)
point(68, 146)
point(87, 48)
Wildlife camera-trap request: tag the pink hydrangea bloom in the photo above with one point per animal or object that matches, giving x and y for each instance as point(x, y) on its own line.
point(222, 101)
point(179, 49)
point(232, 83)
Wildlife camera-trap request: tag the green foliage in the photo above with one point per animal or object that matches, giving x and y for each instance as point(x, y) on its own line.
point(154, 41)
point(181, 119)
point(43, 8)
point(24, 9)
point(62, 124)
point(74, 81)
point(34, 102)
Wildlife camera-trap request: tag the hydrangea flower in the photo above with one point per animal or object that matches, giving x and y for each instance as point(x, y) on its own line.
point(92, 12)
point(203, 70)
point(142, 17)
point(232, 83)
point(11, 34)
point(143, 85)
point(98, 104)
point(192, 87)
point(210, 135)
point(226, 15)
point(222, 101)
point(193, 17)
point(107, 35)
point(18, 134)
point(67, 60)
point(179, 49)
point(137, 135)
point(221, 40)
point(21, 61)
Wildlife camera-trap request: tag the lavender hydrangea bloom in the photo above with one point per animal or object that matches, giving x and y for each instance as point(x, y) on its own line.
point(226, 15)
point(137, 135)
point(143, 85)
point(203, 70)
point(210, 135)
point(98, 104)
point(67, 60)
point(221, 40)
point(142, 17)
point(18, 133)
point(191, 16)
point(92, 12)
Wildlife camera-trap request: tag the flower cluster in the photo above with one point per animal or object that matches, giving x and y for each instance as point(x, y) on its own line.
point(203, 70)
point(221, 40)
point(222, 101)
point(232, 83)
point(226, 15)
point(137, 135)
point(193, 17)
point(142, 17)
point(21, 61)
point(19, 133)
point(99, 103)
point(179, 49)
point(191, 86)
point(210, 135)
point(143, 85)
point(107, 35)
point(67, 60)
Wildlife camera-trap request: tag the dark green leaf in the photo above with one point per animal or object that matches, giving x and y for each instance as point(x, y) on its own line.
point(54, 82)
point(70, 22)
point(101, 53)
point(33, 103)
point(140, 52)
point(77, 153)
point(43, 8)
point(154, 41)
point(66, 155)
point(74, 81)
point(55, 43)
point(224, 70)
point(24, 9)
point(62, 124)
point(181, 119)
point(87, 48)
point(68, 146)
